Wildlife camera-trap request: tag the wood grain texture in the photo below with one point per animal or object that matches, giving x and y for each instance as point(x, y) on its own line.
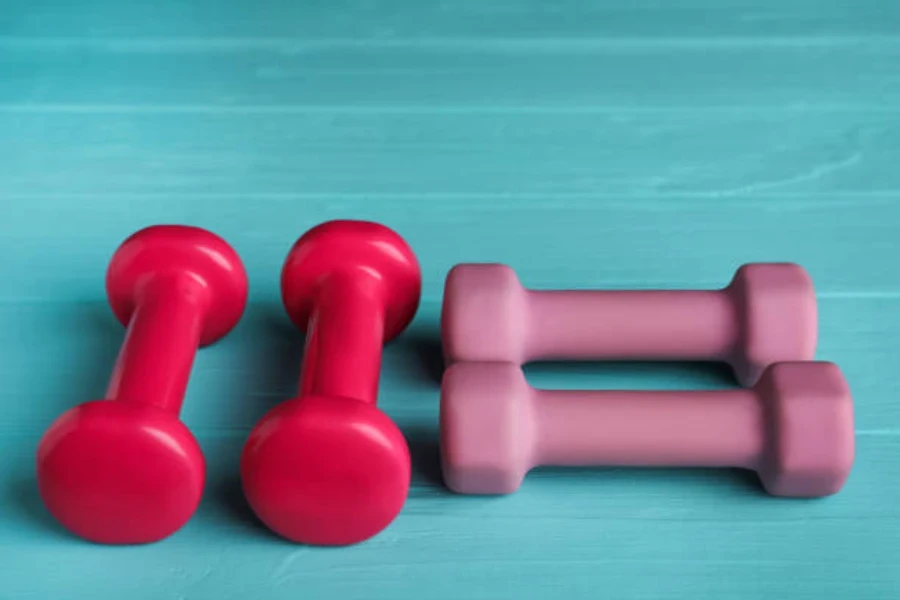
point(589, 144)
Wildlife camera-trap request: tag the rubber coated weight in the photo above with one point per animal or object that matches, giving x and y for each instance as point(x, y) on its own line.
point(125, 470)
point(766, 315)
point(795, 428)
point(328, 467)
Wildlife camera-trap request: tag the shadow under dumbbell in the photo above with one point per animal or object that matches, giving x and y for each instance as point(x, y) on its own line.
point(224, 502)
point(637, 375)
point(273, 354)
point(716, 480)
point(422, 353)
point(106, 338)
point(270, 351)
point(99, 337)
point(228, 493)
point(425, 452)
point(425, 358)
point(416, 359)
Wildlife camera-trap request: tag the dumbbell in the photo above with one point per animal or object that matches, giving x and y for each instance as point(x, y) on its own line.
point(795, 428)
point(767, 314)
point(125, 470)
point(328, 467)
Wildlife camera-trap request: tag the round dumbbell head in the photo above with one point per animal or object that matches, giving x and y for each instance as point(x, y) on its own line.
point(361, 247)
point(326, 471)
point(180, 251)
point(487, 427)
point(120, 472)
point(810, 445)
point(483, 317)
point(776, 303)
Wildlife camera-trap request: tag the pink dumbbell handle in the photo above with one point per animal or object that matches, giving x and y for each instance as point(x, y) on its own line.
point(154, 363)
point(630, 325)
point(345, 335)
point(627, 428)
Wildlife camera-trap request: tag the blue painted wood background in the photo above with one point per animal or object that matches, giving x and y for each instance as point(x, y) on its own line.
point(612, 143)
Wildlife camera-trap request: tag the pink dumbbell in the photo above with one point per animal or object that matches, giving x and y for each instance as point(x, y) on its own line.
point(767, 314)
point(795, 428)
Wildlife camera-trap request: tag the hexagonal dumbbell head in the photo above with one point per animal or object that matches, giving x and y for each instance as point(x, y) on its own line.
point(810, 443)
point(485, 314)
point(486, 428)
point(776, 305)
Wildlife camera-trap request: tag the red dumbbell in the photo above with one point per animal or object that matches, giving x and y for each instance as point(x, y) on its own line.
point(125, 470)
point(328, 467)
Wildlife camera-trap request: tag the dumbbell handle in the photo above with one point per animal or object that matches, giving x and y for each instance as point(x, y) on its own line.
point(630, 325)
point(154, 363)
point(665, 428)
point(344, 339)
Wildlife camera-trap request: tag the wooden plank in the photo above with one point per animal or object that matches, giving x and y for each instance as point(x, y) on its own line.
point(480, 157)
point(732, 75)
point(391, 19)
point(583, 244)
point(659, 534)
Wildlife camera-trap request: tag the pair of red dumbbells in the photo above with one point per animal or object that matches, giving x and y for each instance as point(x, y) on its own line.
point(326, 467)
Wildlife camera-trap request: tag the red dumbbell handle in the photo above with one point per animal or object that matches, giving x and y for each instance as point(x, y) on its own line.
point(344, 339)
point(154, 363)
point(630, 324)
point(665, 428)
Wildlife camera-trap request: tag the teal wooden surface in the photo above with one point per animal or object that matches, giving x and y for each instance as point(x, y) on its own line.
point(589, 144)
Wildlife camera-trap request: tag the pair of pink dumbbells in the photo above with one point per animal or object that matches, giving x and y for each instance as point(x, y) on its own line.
point(792, 421)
